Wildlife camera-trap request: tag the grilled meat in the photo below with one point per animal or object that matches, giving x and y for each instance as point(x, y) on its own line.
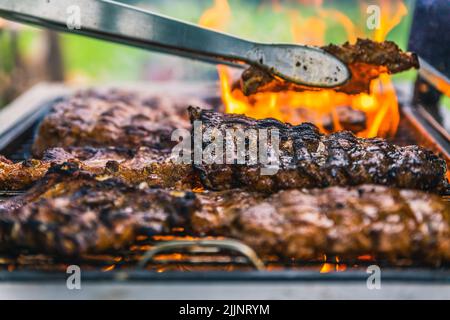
point(152, 166)
point(112, 118)
point(71, 212)
point(305, 224)
point(309, 159)
point(16, 176)
point(366, 60)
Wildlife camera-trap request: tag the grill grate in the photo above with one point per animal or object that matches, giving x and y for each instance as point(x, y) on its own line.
point(178, 252)
point(185, 253)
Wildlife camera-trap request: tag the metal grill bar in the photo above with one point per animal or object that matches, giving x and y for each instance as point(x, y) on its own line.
point(227, 244)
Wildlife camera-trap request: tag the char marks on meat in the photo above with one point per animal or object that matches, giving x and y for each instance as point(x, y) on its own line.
point(108, 181)
point(388, 223)
point(309, 159)
point(71, 212)
point(155, 167)
point(112, 118)
point(366, 60)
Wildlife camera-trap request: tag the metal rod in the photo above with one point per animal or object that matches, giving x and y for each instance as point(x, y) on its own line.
point(113, 21)
point(434, 77)
point(225, 244)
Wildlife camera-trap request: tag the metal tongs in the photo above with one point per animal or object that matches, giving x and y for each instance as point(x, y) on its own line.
point(109, 20)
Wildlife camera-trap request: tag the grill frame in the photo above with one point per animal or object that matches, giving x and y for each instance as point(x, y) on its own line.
point(428, 276)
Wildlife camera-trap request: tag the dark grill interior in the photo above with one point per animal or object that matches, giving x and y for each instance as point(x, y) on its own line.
point(194, 258)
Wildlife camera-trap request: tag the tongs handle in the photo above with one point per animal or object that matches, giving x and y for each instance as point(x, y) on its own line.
point(129, 25)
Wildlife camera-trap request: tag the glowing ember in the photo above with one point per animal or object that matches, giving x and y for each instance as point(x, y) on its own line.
point(108, 268)
point(340, 267)
point(144, 247)
point(366, 257)
point(173, 256)
point(380, 106)
point(326, 268)
point(331, 267)
point(198, 189)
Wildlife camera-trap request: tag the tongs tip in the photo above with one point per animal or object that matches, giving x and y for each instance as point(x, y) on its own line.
point(302, 65)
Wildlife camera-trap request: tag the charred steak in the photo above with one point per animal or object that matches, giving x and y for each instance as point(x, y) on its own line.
point(309, 159)
point(366, 60)
point(152, 166)
point(305, 224)
point(112, 118)
point(71, 212)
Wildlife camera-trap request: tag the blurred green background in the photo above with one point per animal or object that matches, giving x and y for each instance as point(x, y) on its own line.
point(29, 55)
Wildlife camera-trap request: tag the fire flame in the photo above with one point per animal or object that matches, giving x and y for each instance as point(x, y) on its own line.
point(217, 16)
point(331, 267)
point(380, 106)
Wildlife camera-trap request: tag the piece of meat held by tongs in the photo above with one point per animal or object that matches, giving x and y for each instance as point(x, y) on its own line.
point(109, 20)
point(365, 58)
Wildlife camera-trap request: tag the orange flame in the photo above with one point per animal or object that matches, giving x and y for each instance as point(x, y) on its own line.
point(380, 106)
point(389, 18)
point(366, 257)
point(326, 267)
point(216, 17)
point(108, 268)
point(331, 267)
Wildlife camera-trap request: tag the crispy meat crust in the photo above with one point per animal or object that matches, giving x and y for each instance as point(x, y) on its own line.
point(309, 159)
point(71, 212)
point(112, 118)
point(349, 222)
point(366, 60)
point(152, 166)
point(17, 176)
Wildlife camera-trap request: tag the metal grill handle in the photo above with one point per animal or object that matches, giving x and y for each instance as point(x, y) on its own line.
point(227, 244)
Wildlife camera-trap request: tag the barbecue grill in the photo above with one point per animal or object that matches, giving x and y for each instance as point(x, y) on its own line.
point(193, 264)
point(180, 266)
